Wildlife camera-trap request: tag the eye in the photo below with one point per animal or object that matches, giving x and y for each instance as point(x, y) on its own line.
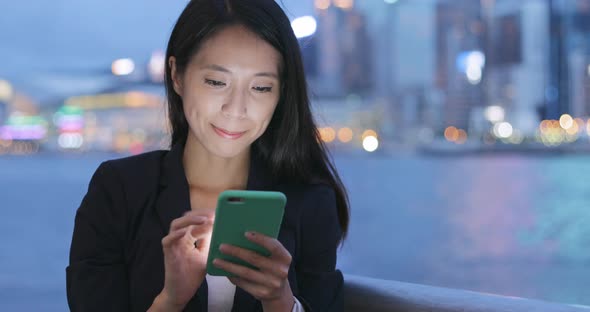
point(262, 89)
point(214, 83)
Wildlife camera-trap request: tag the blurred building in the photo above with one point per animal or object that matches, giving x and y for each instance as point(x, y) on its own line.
point(3, 111)
point(402, 33)
point(459, 60)
point(573, 17)
point(338, 57)
point(440, 63)
point(518, 49)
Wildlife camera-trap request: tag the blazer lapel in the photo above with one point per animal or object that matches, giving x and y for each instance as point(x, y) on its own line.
point(173, 201)
point(174, 198)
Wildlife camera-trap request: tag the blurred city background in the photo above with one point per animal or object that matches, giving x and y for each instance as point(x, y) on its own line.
point(461, 129)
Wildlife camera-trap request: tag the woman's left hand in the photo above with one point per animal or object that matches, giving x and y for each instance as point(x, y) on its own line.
point(270, 284)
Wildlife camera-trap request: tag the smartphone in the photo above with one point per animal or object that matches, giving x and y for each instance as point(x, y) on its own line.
point(238, 212)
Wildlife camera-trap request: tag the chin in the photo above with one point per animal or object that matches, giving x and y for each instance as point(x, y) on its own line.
point(227, 151)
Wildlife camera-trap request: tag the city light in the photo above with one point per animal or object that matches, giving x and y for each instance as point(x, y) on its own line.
point(345, 135)
point(5, 143)
point(517, 137)
point(304, 26)
point(588, 70)
point(24, 127)
point(113, 100)
point(70, 140)
point(367, 133)
point(344, 4)
point(494, 113)
point(573, 130)
point(545, 126)
point(370, 143)
point(451, 134)
point(471, 63)
point(156, 66)
point(6, 90)
point(69, 119)
point(461, 136)
point(123, 67)
point(390, 1)
point(476, 59)
point(503, 130)
point(322, 4)
point(473, 74)
point(327, 134)
point(566, 121)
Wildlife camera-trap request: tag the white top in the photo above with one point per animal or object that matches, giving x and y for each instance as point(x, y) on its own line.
point(222, 298)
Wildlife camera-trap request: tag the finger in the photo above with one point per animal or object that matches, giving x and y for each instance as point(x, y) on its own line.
point(187, 220)
point(243, 272)
point(266, 264)
point(275, 247)
point(209, 213)
point(200, 229)
point(256, 290)
point(260, 292)
point(169, 239)
point(200, 236)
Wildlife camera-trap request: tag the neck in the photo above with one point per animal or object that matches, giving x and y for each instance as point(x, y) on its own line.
point(213, 174)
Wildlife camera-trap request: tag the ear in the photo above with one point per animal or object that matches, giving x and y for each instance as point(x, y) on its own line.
point(176, 81)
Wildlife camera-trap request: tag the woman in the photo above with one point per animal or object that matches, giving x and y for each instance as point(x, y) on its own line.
point(240, 119)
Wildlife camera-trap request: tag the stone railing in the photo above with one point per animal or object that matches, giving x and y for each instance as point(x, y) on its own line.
point(373, 295)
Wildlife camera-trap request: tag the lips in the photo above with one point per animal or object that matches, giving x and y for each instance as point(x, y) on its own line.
point(228, 134)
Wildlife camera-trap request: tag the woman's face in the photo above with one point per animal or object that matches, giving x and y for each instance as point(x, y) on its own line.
point(230, 90)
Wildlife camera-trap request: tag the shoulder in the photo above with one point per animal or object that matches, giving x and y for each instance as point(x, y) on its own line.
point(119, 186)
point(316, 209)
point(132, 176)
point(139, 168)
point(145, 163)
point(317, 192)
point(311, 201)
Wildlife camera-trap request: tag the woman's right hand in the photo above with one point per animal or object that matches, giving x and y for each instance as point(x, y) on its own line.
point(185, 261)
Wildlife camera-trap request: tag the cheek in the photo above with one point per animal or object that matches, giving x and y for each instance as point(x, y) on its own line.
point(264, 117)
point(197, 107)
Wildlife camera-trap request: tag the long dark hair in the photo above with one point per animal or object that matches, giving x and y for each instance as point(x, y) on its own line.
point(291, 144)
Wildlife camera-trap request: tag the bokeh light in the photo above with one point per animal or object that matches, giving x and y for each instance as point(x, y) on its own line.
point(322, 4)
point(327, 134)
point(370, 143)
point(566, 121)
point(451, 134)
point(345, 135)
point(123, 67)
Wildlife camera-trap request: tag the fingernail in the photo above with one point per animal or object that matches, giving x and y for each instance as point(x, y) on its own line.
point(222, 247)
point(249, 234)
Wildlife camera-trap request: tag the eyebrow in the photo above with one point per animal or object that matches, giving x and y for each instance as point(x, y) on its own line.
point(225, 70)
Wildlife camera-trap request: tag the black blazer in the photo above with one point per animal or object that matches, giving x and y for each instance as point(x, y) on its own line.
point(116, 258)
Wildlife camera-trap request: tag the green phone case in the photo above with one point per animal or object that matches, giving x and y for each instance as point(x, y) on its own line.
point(240, 211)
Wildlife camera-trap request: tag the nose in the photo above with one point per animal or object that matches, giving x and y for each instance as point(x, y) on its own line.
point(235, 106)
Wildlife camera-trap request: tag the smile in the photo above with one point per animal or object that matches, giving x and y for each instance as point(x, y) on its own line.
point(228, 134)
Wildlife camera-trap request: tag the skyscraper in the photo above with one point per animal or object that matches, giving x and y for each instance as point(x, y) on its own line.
point(460, 32)
point(340, 54)
point(576, 66)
